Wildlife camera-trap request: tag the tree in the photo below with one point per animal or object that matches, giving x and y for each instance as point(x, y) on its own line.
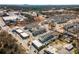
point(9, 45)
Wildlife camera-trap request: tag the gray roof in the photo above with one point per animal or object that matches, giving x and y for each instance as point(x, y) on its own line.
point(47, 38)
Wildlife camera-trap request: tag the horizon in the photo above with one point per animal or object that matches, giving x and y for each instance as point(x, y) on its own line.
point(39, 2)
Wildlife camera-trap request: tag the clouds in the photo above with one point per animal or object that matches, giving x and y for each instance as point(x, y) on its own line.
point(39, 2)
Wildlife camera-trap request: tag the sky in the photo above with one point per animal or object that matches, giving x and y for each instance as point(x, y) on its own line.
point(41, 2)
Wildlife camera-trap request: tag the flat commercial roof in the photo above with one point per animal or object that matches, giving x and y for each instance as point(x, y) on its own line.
point(10, 17)
point(51, 49)
point(37, 43)
point(68, 46)
point(46, 37)
point(24, 34)
point(19, 30)
point(38, 32)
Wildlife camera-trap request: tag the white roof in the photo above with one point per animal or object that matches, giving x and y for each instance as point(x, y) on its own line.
point(24, 34)
point(51, 49)
point(37, 43)
point(19, 30)
point(69, 46)
point(10, 17)
point(1, 11)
